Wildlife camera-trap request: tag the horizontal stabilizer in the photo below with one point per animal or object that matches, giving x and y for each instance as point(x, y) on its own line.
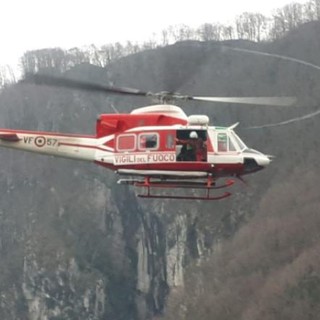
point(10, 137)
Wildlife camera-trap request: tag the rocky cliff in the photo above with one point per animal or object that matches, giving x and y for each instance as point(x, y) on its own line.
point(74, 244)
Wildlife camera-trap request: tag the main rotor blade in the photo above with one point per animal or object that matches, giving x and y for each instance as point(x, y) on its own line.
point(48, 80)
point(267, 101)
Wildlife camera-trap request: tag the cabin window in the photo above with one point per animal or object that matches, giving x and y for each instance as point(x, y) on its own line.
point(126, 142)
point(148, 141)
point(170, 141)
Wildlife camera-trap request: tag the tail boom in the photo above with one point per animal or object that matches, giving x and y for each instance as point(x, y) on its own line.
point(56, 144)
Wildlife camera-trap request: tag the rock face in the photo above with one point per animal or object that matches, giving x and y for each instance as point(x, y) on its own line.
point(74, 244)
point(94, 253)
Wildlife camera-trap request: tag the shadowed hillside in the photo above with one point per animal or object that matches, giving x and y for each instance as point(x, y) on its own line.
point(74, 244)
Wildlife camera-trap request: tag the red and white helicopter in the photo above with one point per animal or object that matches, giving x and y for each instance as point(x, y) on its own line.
point(157, 146)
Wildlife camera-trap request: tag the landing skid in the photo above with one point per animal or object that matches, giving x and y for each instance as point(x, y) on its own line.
point(207, 197)
point(207, 185)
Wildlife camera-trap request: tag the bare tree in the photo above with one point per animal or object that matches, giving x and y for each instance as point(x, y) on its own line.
point(131, 48)
point(286, 19)
point(76, 56)
point(210, 31)
point(173, 32)
point(36, 60)
point(164, 37)
point(185, 32)
point(251, 26)
point(227, 32)
point(7, 76)
point(312, 10)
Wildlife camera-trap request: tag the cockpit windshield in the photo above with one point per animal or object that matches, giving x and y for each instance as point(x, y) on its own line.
point(238, 141)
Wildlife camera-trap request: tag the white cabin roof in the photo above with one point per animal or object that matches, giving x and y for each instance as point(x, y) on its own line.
point(167, 109)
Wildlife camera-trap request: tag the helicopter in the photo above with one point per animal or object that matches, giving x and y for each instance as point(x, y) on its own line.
point(156, 146)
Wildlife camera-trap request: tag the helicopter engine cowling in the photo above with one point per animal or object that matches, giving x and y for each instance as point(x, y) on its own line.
point(147, 116)
point(201, 120)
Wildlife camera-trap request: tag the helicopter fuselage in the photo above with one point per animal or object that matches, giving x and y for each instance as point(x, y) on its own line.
point(155, 145)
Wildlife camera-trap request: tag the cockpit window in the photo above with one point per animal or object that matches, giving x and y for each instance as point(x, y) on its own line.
point(225, 142)
point(222, 142)
point(240, 143)
point(231, 146)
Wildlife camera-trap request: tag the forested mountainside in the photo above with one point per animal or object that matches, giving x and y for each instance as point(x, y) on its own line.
point(74, 244)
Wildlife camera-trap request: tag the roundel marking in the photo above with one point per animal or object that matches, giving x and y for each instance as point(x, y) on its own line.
point(40, 141)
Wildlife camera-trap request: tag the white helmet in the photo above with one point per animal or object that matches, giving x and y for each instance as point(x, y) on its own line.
point(193, 135)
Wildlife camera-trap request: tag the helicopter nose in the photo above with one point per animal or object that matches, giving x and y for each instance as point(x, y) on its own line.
point(263, 160)
point(259, 158)
point(255, 161)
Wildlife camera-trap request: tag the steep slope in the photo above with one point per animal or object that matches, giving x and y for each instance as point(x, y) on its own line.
point(269, 269)
point(76, 245)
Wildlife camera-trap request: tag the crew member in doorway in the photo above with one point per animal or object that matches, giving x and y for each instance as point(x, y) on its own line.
point(193, 149)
